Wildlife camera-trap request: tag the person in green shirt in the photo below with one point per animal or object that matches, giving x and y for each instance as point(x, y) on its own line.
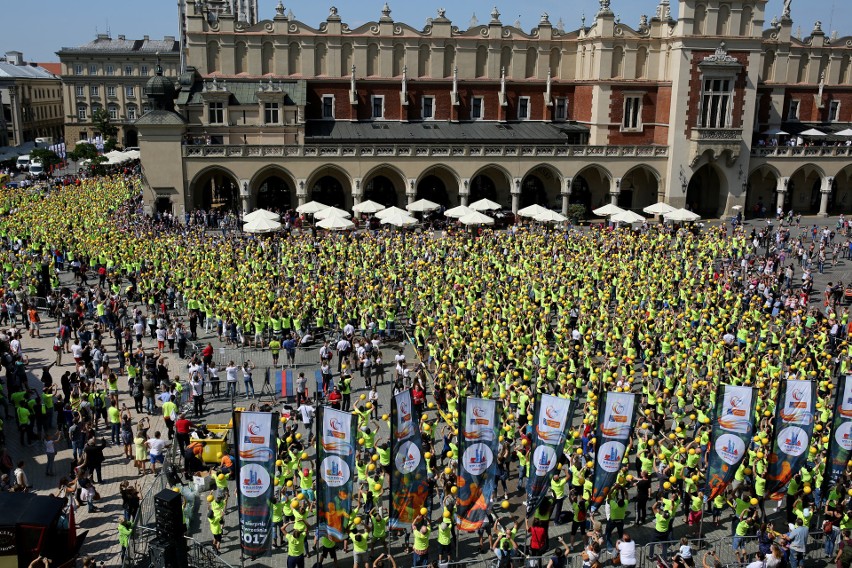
point(275, 349)
point(360, 543)
point(326, 547)
point(662, 528)
point(125, 528)
point(215, 529)
point(422, 531)
point(295, 547)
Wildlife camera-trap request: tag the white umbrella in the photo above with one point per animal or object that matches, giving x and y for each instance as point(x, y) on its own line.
point(332, 212)
point(682, 215)
point(737, 207)
point(390, 211)
point(484, 205)
point(311, 207)
point(476, 218)
point(532, 211)
point(548, 216)
point(458, 212)
point(812, 132)
point(368, 207)
point(422, 206)
point(659, 208)
point(398, 219)
point(261, 225)
point(608, 210)
point(261, 214)
point(628, 217)
point(334, 223)
point(846, 132)
point(775, 132)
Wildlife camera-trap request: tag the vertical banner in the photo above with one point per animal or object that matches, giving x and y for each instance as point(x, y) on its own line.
point(730, 435)
point(409, 486)
point(336, 462)
point(255, 434)
point(478, 447)
point(285, 384)
point(552, 419)
point(794, 426)
point(615, 426)
point(840, 442)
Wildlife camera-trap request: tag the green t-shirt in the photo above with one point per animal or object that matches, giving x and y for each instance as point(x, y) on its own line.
point(295, 546)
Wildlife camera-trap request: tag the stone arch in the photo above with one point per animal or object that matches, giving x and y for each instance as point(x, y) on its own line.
point(761, 191)
point(506, 60)
point(700, 20)
point(746, 19)
point(385, 184)
point(723, 20)
point(131, 138)
point(481, 67)
point(617, 62)
point(802, 74)
point(294, 58)
point(555, 62)
point(372, 60)
point(449, 60)
point(240, 58)
point(769, 65)
point(398, 59)
point(491, 182)
point(591, 187)
point(213, 63)
point(542, 185)
point(267, 58)
point(804, 189)
point(345, 59)
point(843, 192)
point(532, 63)
point(439, 184)
point(705, 190)
point(321, 59)
point(824, 66)
point(273, 188)
point(331, 185)
point(642, 63)
point(640, 187)
point(216, 188)
point(844, 69)
point(424, 61)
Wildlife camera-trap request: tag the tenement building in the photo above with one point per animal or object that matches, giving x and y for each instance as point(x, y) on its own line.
point(703, 103)
point(30, 101)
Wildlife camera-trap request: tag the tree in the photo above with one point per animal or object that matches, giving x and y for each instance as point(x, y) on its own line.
point(48, 158)
point(83, 151)
point(100, 118)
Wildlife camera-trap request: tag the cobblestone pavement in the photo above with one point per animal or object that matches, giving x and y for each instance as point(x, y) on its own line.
point(102, 539)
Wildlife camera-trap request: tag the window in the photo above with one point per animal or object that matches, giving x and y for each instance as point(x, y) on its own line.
point(81, 91)
point(216, 113)
point(524, 108)
point(716, 98)
point(113, 112)
point(131, 113)
point(128, 69)
point(632, 113)
point(94, 91)
point(270, 113)
point(128, 92)
point(146, 108)
point(476, 111)
point(833, 111)
point(110, 91)
point(793, 110)
point(81, 112)
point(328, 107)
point(428, 111)
point(378, 106)
point(84, 136)
point(93, 69)
point(143, 70)
point(110, 70)
point(561, 109)
point(78, 69)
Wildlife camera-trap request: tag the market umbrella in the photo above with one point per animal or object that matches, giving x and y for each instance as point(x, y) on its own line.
point(812, 132)
point(368, 207)
point(332, 212)
point(484, 205)
point(682, 215)
point(659, 208)
point(737, 207)
point(608, 210)
point(335, 223)
point(422, 206)
point(548, 216)
point(476, 218)
point(775, 132)
point(261, 214)
point(532, 211)
point(628, 217)
point(311, 207)
point(261, 225)
point(390, 211)
point(458, 212)
point(398, 219)
point(846, 132)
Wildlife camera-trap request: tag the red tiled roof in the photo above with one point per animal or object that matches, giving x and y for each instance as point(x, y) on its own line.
point(55, 68)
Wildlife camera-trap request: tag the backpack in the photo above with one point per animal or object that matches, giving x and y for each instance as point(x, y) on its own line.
point(99, 402)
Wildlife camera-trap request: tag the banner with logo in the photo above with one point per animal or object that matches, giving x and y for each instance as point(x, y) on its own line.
point(409, 486)
point(730, 435)
point(615, 426)
point(255, 435)
point(840, 442)
point(552, 420)
point(479, 428)
point(794, 426)
point(336, 462)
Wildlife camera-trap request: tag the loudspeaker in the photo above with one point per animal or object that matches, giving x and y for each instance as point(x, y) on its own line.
point(165, 553)
point(168, 514)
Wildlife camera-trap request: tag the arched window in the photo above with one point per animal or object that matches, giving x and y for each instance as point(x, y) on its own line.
point(481, 61)
point(321, 59)
point(506, 60)
point(698, 25)
point(449, 60)
point(398, 62)
point(372, 60)
point(267, 58)
point(240, 58)
point(724, 20)
point(532, 62)
point(642, 63)
point(294, 59)
point(618, 62)
point(746, 21)
point(769, 66)
point(213, 57)
point(555, 62)
point(424, 61)
point(345, 59)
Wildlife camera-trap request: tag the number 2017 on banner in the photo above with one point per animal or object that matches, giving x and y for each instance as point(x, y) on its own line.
point(249, 538)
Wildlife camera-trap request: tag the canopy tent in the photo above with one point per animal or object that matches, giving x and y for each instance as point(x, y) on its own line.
point(681, 215)
point(608, 210)
point(659, 208)
point(398, 219)
point(548, 216)
point(133, 154)
point(476, 218)
point(261, 214)
point(532, 211)
point(332, 212)
point(422, 206)
point(261, 225)
point(775, 132)
point(335, 223)
point(845, 132)
point(368, 207)
point(391, 211)
point(485, 205)
point(812, 132)
point(458, 212)
point(628, 217)
point(311, 207)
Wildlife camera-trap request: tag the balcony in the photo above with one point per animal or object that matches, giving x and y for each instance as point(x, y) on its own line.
point(801, 152)
point(421, 151)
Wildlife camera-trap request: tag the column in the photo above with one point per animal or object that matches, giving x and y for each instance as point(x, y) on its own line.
point(825, 192)
point(301, 191)
point(411, 191)
point(464, 191)
point(245, 197)
point(516, 195)
point(566, 194)
point(614, 191)
point(781, 190)
point(357, 191)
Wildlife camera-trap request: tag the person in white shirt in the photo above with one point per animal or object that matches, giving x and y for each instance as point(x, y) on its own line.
point(231, 378)
point(626, 550)
point(307, 411)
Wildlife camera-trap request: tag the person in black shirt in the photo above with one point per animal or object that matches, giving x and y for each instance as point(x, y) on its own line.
point(643, 493)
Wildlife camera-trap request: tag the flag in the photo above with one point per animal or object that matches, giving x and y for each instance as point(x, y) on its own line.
point(840, 442)
point(794, 426)
point(731, 433)
point(256, 438)
point(615, 426)
point(336, 462)
point(479, 429)
point(409, 486)
point(552, 420)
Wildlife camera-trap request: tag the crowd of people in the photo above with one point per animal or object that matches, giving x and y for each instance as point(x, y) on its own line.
point(666, 313)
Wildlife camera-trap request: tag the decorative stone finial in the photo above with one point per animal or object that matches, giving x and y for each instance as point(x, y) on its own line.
point(495, 16)
point(279, 9)
point(386, 11)
point(605, 9)
point(818, 27)
point(785, 13)
point(442, 13)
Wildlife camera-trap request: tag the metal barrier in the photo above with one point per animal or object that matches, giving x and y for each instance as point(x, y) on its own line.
point(646, 554)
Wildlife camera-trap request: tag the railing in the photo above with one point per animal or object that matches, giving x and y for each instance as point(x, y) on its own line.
point(420, 151)
point(718, 134)
point(802, 152)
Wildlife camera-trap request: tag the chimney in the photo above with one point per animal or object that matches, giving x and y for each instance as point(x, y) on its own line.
point(121, 37)
point(14, 58)
point(103, 36)
point(145, 38)
point(169, 38)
